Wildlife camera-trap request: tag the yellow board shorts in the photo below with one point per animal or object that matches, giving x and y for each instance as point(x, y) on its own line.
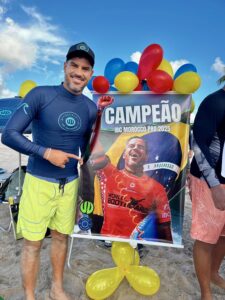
point(208, 222)
point(43, 206)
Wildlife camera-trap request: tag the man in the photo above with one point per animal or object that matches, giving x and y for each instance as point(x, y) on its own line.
point(208, 193)
point(62, 119)
point(128, 196)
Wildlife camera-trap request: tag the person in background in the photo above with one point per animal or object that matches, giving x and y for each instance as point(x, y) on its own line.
point(207, 192)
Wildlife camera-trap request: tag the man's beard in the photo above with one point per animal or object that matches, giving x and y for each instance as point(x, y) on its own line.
point(74, 89)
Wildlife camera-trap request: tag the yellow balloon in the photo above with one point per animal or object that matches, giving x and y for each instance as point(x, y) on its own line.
point(124, 255)
point(26, 87)
point(126, 82)
point(166, 67)
point(143, 279)
point(192, 106)
point(187, 83)
point(103, 283)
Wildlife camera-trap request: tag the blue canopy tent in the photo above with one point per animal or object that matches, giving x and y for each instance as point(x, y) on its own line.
point(7, 107)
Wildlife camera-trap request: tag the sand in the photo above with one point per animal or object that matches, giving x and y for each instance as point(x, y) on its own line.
point(174, 266)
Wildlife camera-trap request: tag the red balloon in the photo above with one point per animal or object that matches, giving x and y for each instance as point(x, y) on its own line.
point(149, 61)
point(138, 88)
point(160, 82)
point(101, 84)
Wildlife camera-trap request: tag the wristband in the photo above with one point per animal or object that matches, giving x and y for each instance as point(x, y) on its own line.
point(48, 154)
point(100, 110)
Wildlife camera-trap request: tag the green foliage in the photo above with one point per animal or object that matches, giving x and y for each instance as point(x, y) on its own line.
point(221, 79)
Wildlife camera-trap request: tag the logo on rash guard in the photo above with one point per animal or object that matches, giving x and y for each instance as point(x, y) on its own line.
point(24, 106)
point(69, 121)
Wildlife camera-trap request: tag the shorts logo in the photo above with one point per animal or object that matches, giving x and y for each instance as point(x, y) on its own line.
point(69, 121)
point(86, 207)
point(85, 223)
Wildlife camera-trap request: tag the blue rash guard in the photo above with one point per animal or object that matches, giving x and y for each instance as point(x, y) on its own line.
point(209, 138)
point(60, 120)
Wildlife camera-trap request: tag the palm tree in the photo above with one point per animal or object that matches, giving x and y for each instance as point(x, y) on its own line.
point(221, 79)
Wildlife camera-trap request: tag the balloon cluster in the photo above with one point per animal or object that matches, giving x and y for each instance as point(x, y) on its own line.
point(152, 73)
point(101, 284)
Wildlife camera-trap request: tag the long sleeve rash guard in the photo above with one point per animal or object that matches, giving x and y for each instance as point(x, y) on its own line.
point(209, 137)
point(60, 120)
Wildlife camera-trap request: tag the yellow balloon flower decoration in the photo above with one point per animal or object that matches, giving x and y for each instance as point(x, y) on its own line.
point(26, 87)
point(102, 284)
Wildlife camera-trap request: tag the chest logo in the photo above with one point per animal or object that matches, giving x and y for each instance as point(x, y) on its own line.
point(69, 121)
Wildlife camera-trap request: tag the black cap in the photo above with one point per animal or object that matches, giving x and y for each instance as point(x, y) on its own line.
point(81, 50)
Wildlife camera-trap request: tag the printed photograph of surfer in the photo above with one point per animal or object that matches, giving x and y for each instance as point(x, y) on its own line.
point(117, 194)
point(133, 204)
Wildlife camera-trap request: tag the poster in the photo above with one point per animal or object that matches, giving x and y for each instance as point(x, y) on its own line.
point(132, 187)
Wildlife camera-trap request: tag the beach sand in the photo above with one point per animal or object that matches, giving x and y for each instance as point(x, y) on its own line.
point(174, 266)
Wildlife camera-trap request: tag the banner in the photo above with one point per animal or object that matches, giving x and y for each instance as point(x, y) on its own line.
point(132, 187)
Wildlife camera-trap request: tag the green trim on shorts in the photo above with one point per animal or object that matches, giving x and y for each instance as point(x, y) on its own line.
point(43, 206)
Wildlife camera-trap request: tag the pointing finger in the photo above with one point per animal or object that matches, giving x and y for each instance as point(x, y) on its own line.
point(70, 155)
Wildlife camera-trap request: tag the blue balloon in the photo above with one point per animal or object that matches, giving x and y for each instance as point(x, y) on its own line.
point(112, 88)
point(185, 68)
point(131, 66)
point(112, 68)
point(89, 85)
point(145, 86)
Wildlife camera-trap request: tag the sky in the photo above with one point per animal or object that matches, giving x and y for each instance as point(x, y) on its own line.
point(35, 37)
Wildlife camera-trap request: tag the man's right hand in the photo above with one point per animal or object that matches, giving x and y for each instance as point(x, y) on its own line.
point(218, 195)
point(104, 101)
point(59, 158)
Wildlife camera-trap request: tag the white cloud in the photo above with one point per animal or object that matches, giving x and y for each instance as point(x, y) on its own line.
point(29, 46)
point(24, 46)
point(3, 9)
point(16, 51)
point(136, 56)
point(176, 64)
point(218, 66)
point(4, 92)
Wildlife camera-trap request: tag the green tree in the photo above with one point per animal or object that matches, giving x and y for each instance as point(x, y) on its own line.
point(221, 79)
